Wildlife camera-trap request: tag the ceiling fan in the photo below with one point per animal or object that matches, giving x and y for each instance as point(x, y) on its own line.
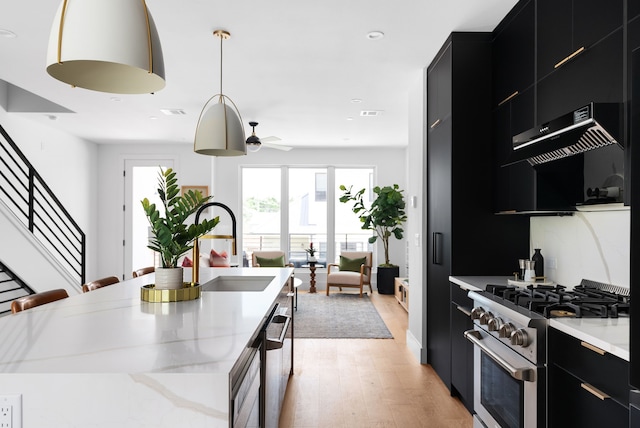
point(254, 143)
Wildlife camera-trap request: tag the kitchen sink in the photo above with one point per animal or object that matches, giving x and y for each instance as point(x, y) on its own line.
point(238, 283)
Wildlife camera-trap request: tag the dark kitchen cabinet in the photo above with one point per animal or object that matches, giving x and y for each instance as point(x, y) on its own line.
point(513, 54)
point(439, 91)
point(514, 184)
point(596, 75)
point(587, 386)
point(464, 236)
point(461, 348)
point(565, 26)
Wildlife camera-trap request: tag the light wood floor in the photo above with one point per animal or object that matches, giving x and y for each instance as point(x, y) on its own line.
point(368, 383)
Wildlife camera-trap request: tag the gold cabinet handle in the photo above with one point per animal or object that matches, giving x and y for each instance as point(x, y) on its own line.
point(509, 98)
point(570, 57)
point(434, 124)
point(594, 391)
point(593, 348)
point(464, 311)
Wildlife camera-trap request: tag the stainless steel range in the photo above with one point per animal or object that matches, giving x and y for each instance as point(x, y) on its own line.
point(509, 337)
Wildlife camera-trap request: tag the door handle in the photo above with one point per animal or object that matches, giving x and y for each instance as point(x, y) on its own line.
point(437, 248)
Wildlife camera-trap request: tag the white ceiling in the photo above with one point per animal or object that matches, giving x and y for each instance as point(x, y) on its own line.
point(292, 65)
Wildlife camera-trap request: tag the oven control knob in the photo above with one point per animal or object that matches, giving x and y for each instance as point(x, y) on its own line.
point(476, 313)
point(520, 338)
point(485, 317)
point(506, 330)
point(494, 324)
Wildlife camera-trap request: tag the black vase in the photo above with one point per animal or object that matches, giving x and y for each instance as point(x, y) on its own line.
point(539, 266)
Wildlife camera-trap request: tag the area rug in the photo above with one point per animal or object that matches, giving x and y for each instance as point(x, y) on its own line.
point(338, 316)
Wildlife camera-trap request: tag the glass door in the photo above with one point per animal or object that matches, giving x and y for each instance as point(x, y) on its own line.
point(140, 181)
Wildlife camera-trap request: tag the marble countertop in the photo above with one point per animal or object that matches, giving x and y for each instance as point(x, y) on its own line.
point(478, 283)
point(110, 330)
point(608, 334)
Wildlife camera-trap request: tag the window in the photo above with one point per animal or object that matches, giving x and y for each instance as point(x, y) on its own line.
point(288, 208)
point(261, 201)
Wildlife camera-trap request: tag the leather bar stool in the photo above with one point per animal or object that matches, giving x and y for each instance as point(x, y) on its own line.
point(99, 283)
point(143, 271)
point(38, 299)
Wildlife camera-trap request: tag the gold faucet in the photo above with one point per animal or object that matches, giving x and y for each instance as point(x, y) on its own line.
point(195, 270)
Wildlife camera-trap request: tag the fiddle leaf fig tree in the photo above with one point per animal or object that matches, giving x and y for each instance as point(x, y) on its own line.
point(385, 216)
point(172, 237)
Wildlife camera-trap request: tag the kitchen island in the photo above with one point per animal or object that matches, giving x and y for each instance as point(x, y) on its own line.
point(106, 358)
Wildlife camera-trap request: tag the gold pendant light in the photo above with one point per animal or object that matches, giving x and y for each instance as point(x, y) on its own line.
point(107, 46)
point(220, 131)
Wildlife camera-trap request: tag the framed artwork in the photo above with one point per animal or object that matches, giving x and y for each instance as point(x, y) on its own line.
point(203, 189)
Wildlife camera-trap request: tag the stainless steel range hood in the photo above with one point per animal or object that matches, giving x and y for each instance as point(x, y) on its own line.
point(590, 127)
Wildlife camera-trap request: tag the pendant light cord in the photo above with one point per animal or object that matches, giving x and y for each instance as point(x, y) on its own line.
point(221, 39)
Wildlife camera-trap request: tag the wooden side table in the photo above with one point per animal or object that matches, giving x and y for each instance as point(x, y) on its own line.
point(402, 292)
point(312, 275)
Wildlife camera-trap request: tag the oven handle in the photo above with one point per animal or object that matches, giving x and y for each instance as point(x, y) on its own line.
point(524, 374)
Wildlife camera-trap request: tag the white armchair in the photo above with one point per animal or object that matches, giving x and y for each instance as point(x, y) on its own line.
point(358, 275)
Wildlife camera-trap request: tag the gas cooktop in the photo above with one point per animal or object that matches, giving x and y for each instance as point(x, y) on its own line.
point(588, 300)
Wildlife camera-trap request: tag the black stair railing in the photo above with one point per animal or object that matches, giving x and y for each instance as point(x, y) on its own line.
point(26, 194)
point(12, 287)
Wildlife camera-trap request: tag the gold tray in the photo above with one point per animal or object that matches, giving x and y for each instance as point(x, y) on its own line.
point(149, 293)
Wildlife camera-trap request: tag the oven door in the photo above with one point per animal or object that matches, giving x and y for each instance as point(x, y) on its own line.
point(506, 386)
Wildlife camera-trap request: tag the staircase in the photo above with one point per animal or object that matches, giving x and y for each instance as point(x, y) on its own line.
point(11, 288)
point(30, 207)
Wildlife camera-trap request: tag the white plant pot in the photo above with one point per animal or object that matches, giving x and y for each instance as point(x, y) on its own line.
point(169, 278)
point(312, 259)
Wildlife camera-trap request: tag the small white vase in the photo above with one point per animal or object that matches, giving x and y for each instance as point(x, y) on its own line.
point(312, 259)
point(169, 278)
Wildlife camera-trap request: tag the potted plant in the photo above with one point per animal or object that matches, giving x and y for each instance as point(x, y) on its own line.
point(385, 217)
point(311, 253)
point(172, 237)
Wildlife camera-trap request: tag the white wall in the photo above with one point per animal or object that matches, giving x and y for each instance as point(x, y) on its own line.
point(587, 245)
point(415, 227)
point(68, 165)
point(191, 168)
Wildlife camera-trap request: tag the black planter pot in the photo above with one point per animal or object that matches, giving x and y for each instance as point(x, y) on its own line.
point(386, 277)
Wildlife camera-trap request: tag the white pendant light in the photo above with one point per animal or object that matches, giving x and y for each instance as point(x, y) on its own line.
point(220, 131)
point(107, 46)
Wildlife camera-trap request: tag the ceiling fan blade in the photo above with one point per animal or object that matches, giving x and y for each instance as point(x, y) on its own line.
point(276, 146)
point(270, 139)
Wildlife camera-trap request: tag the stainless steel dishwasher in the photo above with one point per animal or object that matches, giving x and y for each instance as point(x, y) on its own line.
point(278, 351)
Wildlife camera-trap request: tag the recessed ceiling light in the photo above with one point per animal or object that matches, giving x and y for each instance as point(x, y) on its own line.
point(8, 34)
point(349, 118)
point(153, 117)
point(375, 35)
point(52, 117)
point(116, 99)
point(356, 100)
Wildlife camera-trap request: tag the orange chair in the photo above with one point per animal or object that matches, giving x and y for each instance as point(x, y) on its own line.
point(99, 283)
point(143, 271)
point(38, 299)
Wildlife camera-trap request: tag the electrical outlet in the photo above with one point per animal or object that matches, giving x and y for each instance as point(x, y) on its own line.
point(552, 263)
point(11, 411)
point(6, 420)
